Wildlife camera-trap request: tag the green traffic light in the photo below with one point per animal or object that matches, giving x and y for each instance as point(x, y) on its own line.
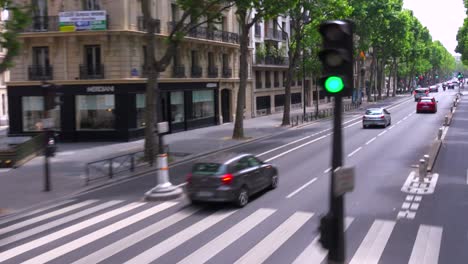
point(334, 84)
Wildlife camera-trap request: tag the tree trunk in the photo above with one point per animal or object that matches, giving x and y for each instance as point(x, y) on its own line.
point(371, 79)
point(395, 77)
point(238, 132)
point(287, 89)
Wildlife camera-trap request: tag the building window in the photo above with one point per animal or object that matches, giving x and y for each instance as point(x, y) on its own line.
point(177, 107)
point(93, 59)
point(258, 80)
point(95, 112)
point(225, 61)
point(202, 104)
point(91, 5)
point(174, 12)
point(41, 57)
point(140, 110)
point(33, 112)
point(276, 79)
point(267, 79)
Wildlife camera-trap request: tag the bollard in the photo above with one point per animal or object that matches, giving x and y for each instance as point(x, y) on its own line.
point(426, 159)
point(451, 109)
point(422, 170)
point(439, 134)
point(446, 120)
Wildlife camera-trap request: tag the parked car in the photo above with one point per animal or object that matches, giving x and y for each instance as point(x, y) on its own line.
point(231, 178)
point(434, 89)
point(420, 92)
point(451, 85)
point(426, 104)
point(376, 117)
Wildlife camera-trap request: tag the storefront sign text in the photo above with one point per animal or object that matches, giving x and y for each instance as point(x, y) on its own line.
point(100, 89)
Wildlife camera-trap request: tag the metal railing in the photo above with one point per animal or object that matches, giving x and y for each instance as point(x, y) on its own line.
point(297, 119)
point(227, 72)
point(196, 71)
point(142, 25)
point(179, 71)
point(271, 60)
point(273, 34)
point(213, 72)
point(209, 34)
point(40, 72)
point(91, 71)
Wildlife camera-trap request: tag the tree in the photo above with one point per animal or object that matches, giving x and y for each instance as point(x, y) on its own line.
point(19, 18)
point(462, 37)
point(248, 13)
point(195, 13)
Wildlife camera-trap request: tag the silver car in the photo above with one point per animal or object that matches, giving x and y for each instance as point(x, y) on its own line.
point(231, 178)
point(376, 117)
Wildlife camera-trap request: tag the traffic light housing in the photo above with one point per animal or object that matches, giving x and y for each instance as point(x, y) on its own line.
point(337, 57)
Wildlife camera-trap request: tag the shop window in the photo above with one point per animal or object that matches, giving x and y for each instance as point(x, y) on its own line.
point(177, 107)
point(95, 112)
point(203, 104)
point(33, 112)
point(140, 110)
point(91, 5)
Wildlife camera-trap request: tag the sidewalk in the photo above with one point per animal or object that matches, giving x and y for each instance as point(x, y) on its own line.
point(22, 187)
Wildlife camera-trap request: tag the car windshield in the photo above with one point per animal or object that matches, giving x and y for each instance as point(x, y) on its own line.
point(206, 168)
point(373, 112)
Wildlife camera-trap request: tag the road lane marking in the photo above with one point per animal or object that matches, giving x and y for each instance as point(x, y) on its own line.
point(98, 234)
point(296, 148)
point(301, 188)
point(390, 128)
point(445, 132)
point(260, 252)
point(228, 237)
point(178, 239)
point(122, 244)
point(58, 222)
point(282, 146)
point(327, 170)
point(5, 255)
point(354, 152)
point(353, 124)
point(399, 122)
point(370, 141)
point(315, 253)
point(406, 117)
point(46, 216)
point(427, 246)
point(374, 243)
point(381, 133)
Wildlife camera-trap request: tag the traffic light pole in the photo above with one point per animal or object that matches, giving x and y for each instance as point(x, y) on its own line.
point(336, 253)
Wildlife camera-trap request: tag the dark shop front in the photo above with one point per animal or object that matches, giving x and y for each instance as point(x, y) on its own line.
point(111, 112)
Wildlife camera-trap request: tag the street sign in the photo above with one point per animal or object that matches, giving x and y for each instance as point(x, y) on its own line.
point(344, 180)
point(163, 127)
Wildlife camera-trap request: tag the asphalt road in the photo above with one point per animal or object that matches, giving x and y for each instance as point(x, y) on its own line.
point(113, 225)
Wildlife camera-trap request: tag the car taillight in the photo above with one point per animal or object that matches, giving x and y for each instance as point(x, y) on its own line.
point(226, 179)
point(189, 177)
point(382, 116)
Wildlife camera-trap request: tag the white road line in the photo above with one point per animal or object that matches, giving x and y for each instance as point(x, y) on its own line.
point(374, 243)
point(181, 185)
point(390, 128)
point(260, 252)
point(58, 222)
point(414, 206)
point(399, 122)
point(282, 146)
point(467, 176)
point(98, 234)
point(327, 170)
point(4, 170)
point(64, 232)
point(301, 188)
point(228, 237)
point(296, 148)
point(370, 141)
point(315, 253)
point(134, 238)
point(381, 133)
point(42, 209)
point(406, 117)
point(178, 239)
point(354, 152)
point(353, 124)
point(427, 246)
point(444, 133)
point(46, 216)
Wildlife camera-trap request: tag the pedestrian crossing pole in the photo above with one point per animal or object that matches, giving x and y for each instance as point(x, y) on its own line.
point(338, 79)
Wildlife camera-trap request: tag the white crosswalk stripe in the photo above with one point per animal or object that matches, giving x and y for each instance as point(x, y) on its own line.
point(106, 242)
point(64, 232)
point(58, 222)
point(374, 243)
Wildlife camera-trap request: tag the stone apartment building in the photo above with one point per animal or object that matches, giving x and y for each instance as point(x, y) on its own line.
point(99, 67)
point(4, 77)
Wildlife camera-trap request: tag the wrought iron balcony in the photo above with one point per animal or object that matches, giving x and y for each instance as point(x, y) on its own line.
point(42, 24)
point(209, 34)
point(276, 84)
point(40, 72)
point(92, 71)
point(268, 84)
point(196, 72)
point(227, 72)
point(258, 85)
point(213, 72)
point(179, 71)
point(142, 25)
point(272, 60)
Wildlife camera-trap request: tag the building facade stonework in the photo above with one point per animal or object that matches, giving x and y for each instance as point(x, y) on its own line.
point(95, 52)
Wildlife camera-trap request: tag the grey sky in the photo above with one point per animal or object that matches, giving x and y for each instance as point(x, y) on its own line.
point(441, 17)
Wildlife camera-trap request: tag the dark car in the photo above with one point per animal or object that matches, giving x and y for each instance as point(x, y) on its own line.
point(230, 179)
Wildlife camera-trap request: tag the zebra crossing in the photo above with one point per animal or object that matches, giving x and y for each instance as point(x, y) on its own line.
point(118, 231)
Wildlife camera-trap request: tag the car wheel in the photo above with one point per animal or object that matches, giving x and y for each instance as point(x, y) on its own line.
point(195, 202)
point(242, 197)
point(274, 182)
point(364, 126)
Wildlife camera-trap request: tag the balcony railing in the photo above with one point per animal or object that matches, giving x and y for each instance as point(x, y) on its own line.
point(273, 34)
point(268, 84)
point(142, 25)
point(258, 31)
point(213, 72)
point(47, 23)
point(276, 84)
point(39, 72)
point(227, 72)
point(92, 71)
point(196, 72)
point(271, 60)
point(179, 71)
point(209, 34)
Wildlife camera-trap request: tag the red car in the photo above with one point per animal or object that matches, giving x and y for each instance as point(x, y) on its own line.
point(426, 104)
